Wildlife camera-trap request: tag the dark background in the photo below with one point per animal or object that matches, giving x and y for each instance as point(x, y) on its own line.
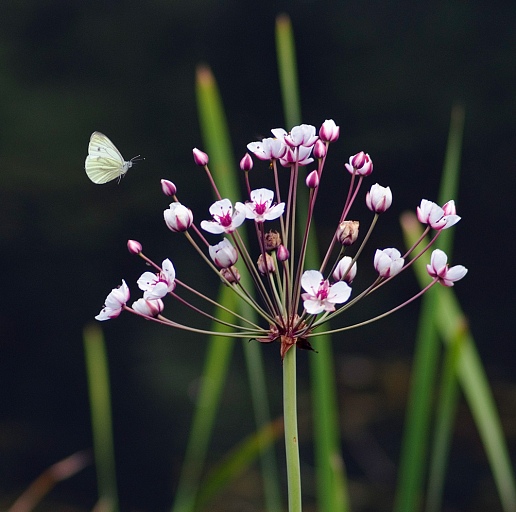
point(388, 73)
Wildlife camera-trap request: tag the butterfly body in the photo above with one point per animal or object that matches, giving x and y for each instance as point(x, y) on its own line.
point(104, 162)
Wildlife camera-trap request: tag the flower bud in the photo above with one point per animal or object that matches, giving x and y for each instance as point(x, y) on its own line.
point(388, 262)
point(347, 232)
point(272, 241)
point(246, 164)
point(344, 271)
point(312, 180)
point(282, 253)
point(148, 307)
point(224, 255)
point(134, 247)
point(329, 131)
point(200, 157)
point(320, 149)
point(169, 189)
point(178, 217)
point(379, 198)
point(231, 274)
point(267, 266)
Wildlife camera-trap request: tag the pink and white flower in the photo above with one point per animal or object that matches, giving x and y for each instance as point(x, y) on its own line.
point(329, 131)
point(379, 198)
point(148, 307)
point(438, 268)
point(156, 286)
point(302, 135)
point(223, 254)
point(226, 220)
point(320, 295)
point(388, 262)
point(360, 164)
point(178, 217)
point(114, 303)
point(299, 155)
point(344, 271)
point(436, 217)
point(269, 148)
point(260, 208)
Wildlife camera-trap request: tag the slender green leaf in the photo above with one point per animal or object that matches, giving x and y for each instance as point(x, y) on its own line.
point(472, 378)
point(445, 417)
point(237, 461)
point(414, 449)
point(97, 371)
point(214, 375)
point(216, 136)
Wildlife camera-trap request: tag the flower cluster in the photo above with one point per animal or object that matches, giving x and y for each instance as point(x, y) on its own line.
point(290, 299)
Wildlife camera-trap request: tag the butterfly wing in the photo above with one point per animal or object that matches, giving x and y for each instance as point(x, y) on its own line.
point(104, 162)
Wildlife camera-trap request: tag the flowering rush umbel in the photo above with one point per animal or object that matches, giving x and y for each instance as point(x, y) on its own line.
point(290, 299)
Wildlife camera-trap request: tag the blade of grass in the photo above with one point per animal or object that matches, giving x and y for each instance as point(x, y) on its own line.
point(213, 378)
point(97, 371)
point(472, 378)
point(414, 449)
point(332, 493)
point(445, 417)
point(237, 461)
point(222, 165)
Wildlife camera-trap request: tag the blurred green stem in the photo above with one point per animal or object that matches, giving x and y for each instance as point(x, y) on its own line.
point(291, 435)
point(100, 408)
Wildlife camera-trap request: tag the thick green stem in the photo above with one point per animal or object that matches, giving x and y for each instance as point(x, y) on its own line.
point(291, 437)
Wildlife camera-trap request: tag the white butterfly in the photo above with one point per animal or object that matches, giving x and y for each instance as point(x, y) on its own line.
point(104, 162)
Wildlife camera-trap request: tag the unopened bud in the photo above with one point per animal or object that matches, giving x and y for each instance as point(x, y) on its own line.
point(200, 157)
point(347, 232)
point(282, 253)
point(134, 247)
point(319, 149)
point(169, 189)
point(246, 164)
point(312, 180)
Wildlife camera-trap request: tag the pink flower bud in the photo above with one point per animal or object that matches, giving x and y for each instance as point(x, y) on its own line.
point(200, 157)
point(282, 253)
point(148, 307)
point(224, 255)
point(320, 149)
point(329, 131)
point(246, 164)
point(312, 180)
point(178, 218)
point(379, 198)
point(169, 189)
point(134, 247)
